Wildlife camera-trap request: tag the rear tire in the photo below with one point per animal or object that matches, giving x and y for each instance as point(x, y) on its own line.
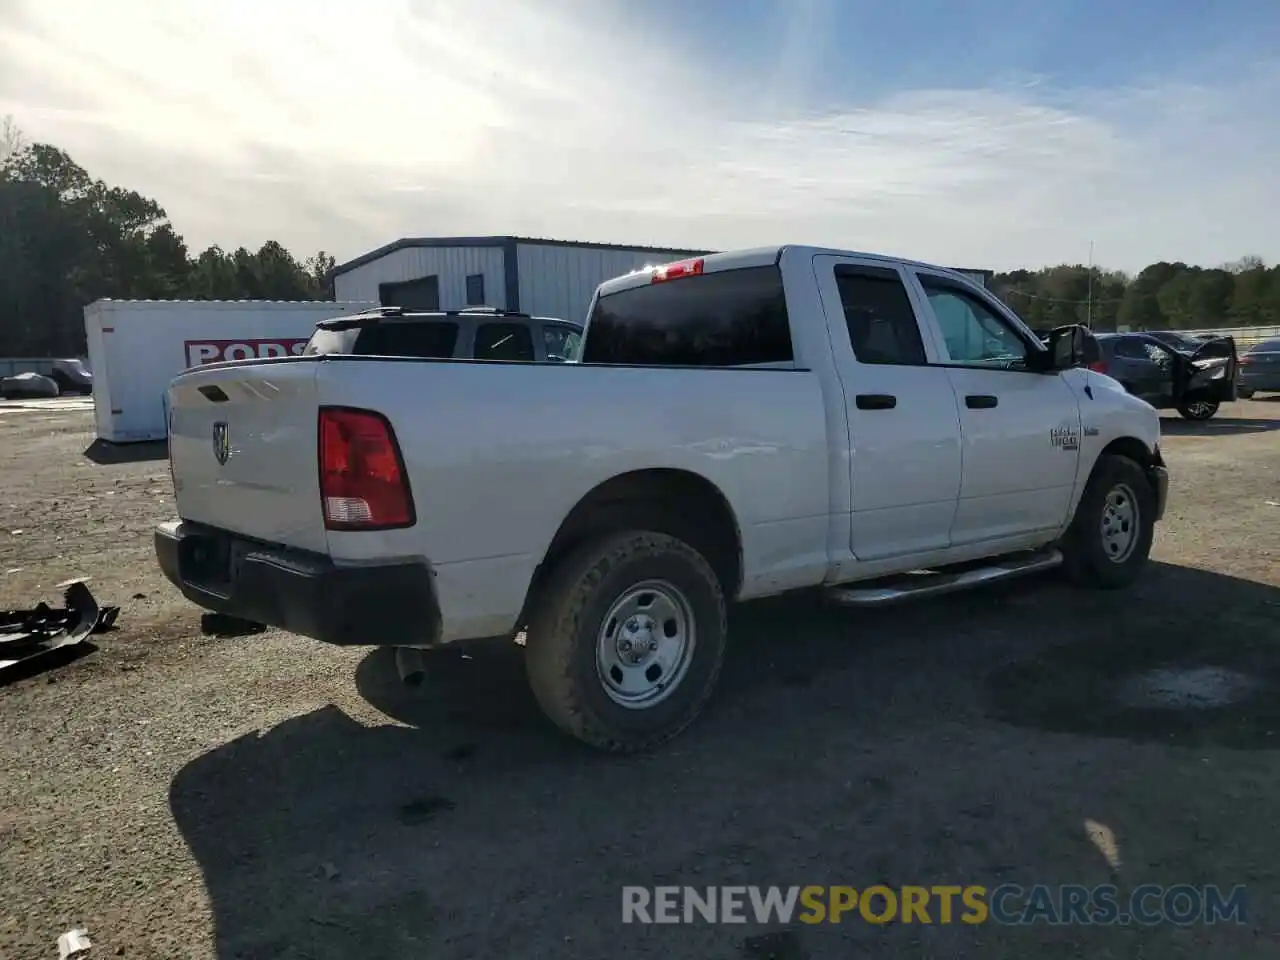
point(1244, 393)
point(1110, 536)
point(626, 640)
point(1199, 410)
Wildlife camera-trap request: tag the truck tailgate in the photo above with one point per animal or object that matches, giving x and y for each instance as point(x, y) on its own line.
point(242, 441)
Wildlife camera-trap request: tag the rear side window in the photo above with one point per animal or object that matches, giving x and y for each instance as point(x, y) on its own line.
point(731, 318)
point(324, 342)
point(882, 325)
point(504, 341)
point(428, 339)
point(1133, 349)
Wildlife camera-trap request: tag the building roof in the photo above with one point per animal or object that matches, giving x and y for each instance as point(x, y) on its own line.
point(407, 242)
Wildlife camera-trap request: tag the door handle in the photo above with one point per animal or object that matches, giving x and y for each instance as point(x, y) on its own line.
point(876, 401)
point(980, 401)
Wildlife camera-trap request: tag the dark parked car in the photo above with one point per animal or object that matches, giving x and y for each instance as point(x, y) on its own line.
point(1172, 371)
point(477, 333)
point(1260, 368)
point(27, 386)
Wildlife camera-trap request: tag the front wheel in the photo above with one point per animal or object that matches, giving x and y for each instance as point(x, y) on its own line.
point(626, 640)
point(1109, 539)
point(1199, 409)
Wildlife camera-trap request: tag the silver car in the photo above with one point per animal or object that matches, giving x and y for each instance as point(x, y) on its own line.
point(1260, 368)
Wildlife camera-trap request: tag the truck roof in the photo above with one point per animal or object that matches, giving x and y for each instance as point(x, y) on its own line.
point(762, 256)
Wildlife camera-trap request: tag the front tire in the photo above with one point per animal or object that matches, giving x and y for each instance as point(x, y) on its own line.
point(1110, 536)
point(1199, 409)
point(626, 640)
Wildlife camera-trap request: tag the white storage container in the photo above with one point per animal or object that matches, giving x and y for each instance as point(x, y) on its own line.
point(136, 347)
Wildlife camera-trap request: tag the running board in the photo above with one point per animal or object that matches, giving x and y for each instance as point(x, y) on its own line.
point(930, 583)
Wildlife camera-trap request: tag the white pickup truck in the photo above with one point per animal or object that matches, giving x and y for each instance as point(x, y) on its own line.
point(736, 426)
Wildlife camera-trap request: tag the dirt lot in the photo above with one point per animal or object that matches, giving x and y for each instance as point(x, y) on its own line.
point(267, 797)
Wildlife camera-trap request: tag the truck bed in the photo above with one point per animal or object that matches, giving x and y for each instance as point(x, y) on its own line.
point(497, 454)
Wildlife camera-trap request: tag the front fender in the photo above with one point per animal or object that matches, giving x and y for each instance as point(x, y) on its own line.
point(1112, 421)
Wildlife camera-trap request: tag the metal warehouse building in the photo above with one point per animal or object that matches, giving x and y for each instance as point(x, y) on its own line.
point(550, 278)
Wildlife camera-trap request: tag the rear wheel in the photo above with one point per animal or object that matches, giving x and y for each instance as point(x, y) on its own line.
point(1109, 539)
point(1244, 393)
point(626, 640)
point(1199, 409)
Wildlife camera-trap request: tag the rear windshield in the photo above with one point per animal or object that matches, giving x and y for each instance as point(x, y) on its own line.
point(429, 339)
point(730, 318)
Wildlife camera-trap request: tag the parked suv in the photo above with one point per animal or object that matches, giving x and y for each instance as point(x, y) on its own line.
point(477, 333)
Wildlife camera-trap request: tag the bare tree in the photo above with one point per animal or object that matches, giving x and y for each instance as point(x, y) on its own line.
point(11, 139)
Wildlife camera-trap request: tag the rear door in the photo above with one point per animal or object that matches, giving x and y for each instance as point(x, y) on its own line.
point(1021, 430)
point(1150, 369)
point(243, 447)
point(903, 424)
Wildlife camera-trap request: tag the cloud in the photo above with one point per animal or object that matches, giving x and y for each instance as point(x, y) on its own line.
point(344, 125)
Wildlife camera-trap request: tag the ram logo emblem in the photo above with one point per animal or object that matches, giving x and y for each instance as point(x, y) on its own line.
point(1068, 438)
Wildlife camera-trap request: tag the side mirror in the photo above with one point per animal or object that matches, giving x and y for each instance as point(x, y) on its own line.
point(1070, 346)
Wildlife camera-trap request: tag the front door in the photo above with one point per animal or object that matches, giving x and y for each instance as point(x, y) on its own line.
point(903, 427)
point(1021, 430)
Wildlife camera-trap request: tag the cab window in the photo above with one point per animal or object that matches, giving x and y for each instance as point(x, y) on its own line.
point(973, 334)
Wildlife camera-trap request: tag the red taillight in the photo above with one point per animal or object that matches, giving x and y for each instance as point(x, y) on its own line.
point(1245, 359)
point(363, 485)
point(683, 268)
point(1098, 366)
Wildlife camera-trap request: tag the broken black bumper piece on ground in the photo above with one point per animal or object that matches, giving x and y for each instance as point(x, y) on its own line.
point(27, 637)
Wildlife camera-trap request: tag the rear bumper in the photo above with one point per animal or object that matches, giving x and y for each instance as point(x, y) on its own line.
point(306, 593)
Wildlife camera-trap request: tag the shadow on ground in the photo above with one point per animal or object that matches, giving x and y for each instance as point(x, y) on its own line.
point(843, 745)
point(1216, 426)
point(109, 454)
point(1193, 674)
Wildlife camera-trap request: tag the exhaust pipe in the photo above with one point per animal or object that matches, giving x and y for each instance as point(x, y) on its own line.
point(411, 666)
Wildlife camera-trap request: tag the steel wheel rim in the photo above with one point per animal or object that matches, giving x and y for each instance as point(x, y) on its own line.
point(1119, 524)
point(645, 644)
point(1200, 409)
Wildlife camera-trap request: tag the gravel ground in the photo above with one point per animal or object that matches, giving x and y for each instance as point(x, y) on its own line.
point(268, 797)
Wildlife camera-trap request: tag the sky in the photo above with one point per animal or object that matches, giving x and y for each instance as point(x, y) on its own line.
point(992, 133)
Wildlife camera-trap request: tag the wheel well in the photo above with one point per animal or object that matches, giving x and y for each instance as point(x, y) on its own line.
point(1132, 448)
point(674, 502)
